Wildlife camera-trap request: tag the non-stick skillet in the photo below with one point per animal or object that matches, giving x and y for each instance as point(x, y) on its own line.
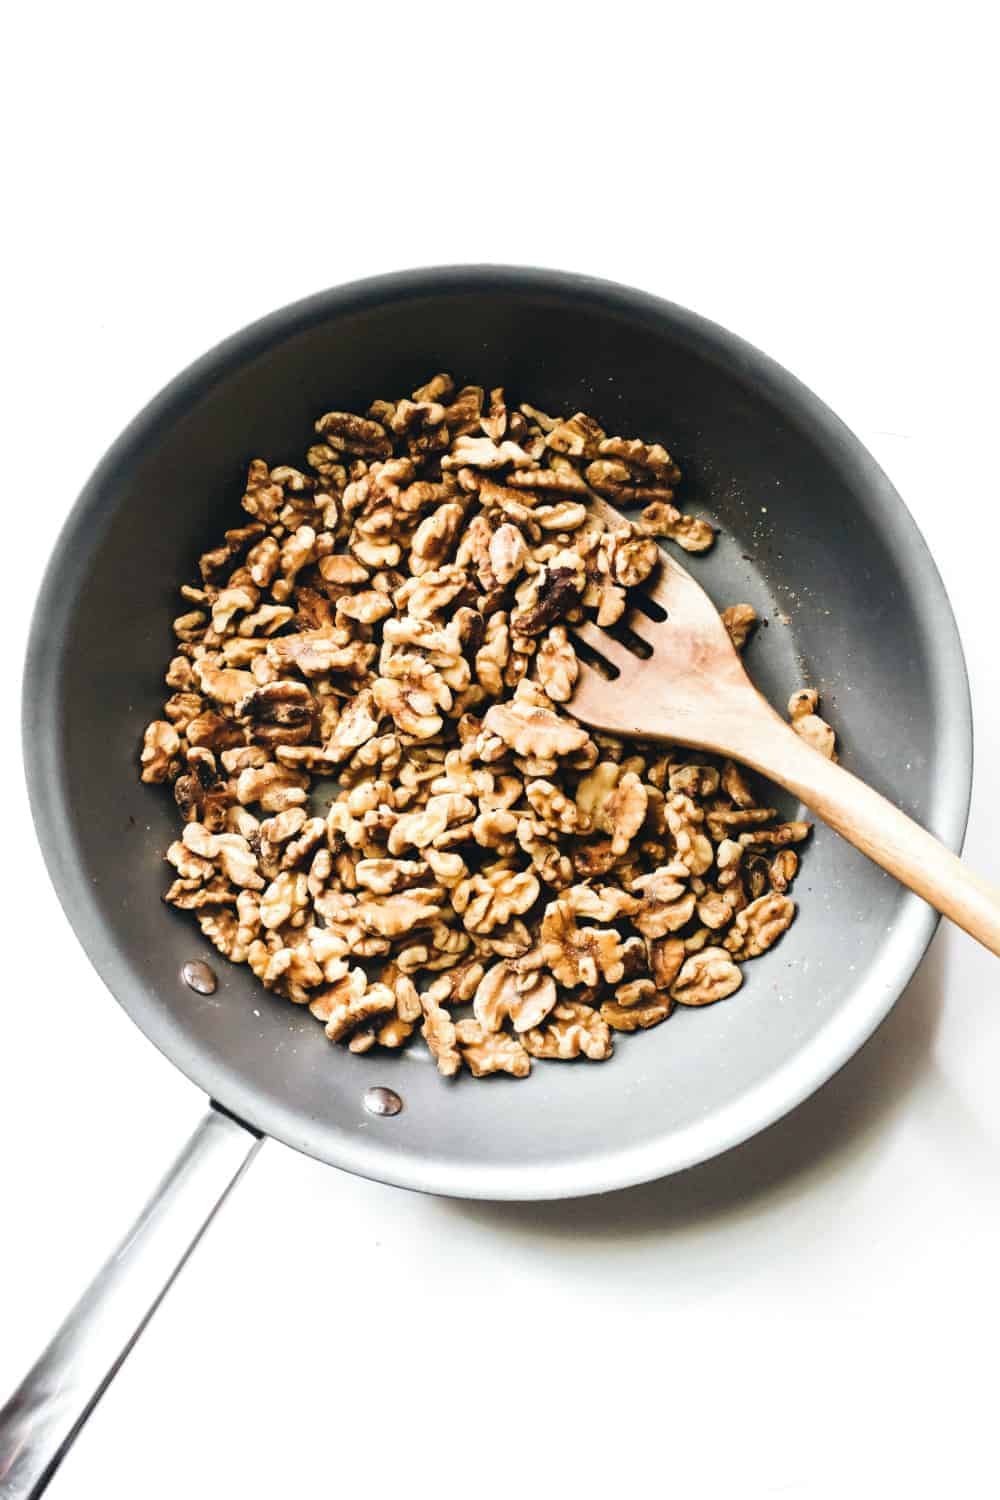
point(813, 535)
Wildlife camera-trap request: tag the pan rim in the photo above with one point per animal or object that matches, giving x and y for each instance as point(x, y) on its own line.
point(364, 1154)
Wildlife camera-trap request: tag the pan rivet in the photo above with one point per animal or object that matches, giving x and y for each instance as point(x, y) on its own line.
point(199, 977)
point(380, 1101)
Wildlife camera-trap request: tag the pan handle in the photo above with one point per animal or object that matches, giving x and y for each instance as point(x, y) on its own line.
point(45, 1413)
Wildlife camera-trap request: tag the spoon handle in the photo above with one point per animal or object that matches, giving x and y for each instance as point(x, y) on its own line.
point(878, 828)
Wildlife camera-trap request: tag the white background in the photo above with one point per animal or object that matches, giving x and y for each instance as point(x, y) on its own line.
point(817, 1312)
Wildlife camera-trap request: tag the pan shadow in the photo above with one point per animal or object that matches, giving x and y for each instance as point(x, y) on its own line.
point(835, 1125)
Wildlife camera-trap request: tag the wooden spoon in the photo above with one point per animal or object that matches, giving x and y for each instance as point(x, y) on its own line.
point(693, 689)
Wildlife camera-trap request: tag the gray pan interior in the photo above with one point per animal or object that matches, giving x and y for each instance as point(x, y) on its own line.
point(813, 533)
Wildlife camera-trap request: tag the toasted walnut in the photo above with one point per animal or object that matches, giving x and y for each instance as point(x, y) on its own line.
point(275, 787)
point(383, 876)
point(759, 925)
point(439, 1033)
point(284, 900)
point(529, 730)
point(551, 594)
point(375, 1001)
point(507, 553)
point(160, 750)
point(736, 785)
point(556, 811)
point(666, 955)
point(392, 916)
point(579, 955)
point(578, 437)
point(489, 1052)
point(350, 434)
point(635, 1017)
point(516, 989)
point(393, 618)
point(684, 820)
point(667, 904)
point(648, 458)
point(739, 620)
point(603, 903)
point(434, 538)
point(419, 829)
point(484, 453)
point(230, 851)
point(807, 723)
point(556, 665)
point(706, 977)
point(660, 518)
point(783, 869)
point(573, 1031)
point(489, 899)
point(617, 482)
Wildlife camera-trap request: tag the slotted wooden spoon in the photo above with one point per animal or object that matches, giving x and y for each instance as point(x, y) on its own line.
point(693, 689)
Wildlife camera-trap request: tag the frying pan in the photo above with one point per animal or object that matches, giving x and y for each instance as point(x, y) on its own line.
point(813, 535)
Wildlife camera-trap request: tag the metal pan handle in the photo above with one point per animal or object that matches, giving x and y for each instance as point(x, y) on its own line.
point(43, 1416)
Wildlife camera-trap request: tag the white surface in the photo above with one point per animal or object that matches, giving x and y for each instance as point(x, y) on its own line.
point(806, 1315)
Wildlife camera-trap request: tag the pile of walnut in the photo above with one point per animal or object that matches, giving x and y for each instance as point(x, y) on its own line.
point(392, 621)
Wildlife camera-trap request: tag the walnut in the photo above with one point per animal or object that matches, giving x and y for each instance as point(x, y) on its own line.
point(515, 989)
point(284, 900)
point(739, 620)
point(553, 592)
point(392, 916)
point(667, 904)
point(507, 553)
point(556, 665)
point(490, 898)
point(438, 388)
point(650, 458)
point(694, 780)
point(439, 1032)
point(383, 876)
point(375, 1001)
point(613, 801)
point(579, 437)
point(229, 851)
point(706, 977)
point(666, 955)
point(367, 607)
point(484, 453)
point(783, 870)
point(759, 925)
point(530, 730)
point(226, 685)
point(635, 1017)
point(736, 786)
point(564, 480)
point(604, 903)
point(807, 723)
point(579, 955)
point(434, 538)
point(684, 820)
point(488, 1052)
point(775, 838)
point(430, 594)
point(212, 565)
point(419, 829)
point(275, 787)
point(280, 712)
point(573, 1030)
point(660, 518)
point(160, 750)
point(351, 434)
point(617, 483)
